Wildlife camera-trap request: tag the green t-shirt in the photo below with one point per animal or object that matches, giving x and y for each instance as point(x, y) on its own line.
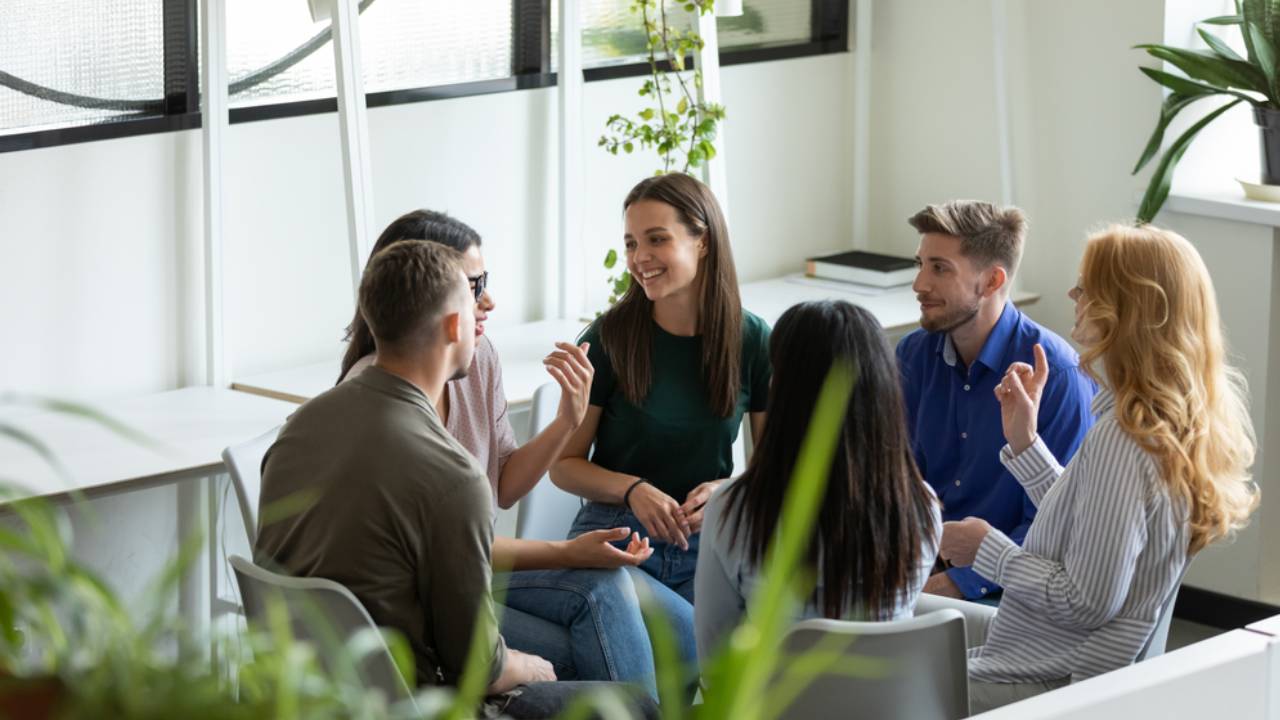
point(674, 439)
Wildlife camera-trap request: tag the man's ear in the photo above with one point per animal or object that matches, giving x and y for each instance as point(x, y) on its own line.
point(997, 279)
point(451, 324)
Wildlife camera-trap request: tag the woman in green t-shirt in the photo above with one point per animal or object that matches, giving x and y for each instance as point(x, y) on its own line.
point(678, 363)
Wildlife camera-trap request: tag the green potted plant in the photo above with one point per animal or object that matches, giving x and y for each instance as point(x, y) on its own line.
point(1218, 71)
point(677, 124)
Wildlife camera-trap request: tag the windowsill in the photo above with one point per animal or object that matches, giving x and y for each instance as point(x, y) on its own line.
point(1226, 204)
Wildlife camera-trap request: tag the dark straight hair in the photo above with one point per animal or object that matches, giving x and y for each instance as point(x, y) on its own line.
point(866, 547)
point(415, 225)
point(626, 330)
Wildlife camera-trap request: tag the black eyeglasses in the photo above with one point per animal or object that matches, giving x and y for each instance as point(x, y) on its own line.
point(478, 284)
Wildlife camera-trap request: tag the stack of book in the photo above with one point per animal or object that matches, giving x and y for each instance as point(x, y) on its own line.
point(863, 268)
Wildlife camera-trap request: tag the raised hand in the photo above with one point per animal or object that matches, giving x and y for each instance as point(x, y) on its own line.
point(660, 514)
point(1019, 394)
point(696, 502)
point(571, 369)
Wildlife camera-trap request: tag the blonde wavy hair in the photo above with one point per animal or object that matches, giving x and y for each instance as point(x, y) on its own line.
point(1151, 310)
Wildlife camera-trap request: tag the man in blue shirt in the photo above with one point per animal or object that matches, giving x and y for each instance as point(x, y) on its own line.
point(970, 334)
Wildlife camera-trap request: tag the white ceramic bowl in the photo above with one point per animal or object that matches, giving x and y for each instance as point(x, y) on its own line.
point(1258, 191)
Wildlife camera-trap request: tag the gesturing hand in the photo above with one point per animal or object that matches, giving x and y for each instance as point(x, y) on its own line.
point(696, 502)
point(660, 514)
point(570, 368)
point(1019, 395)
point(594, 549)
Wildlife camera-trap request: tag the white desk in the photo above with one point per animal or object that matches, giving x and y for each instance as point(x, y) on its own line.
point(522, 347)
point(188, 429)
point(133, 535)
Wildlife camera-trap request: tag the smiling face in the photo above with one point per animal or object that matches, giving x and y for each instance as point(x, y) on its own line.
point(663, 255)
point(473, 266)
point(947, 285)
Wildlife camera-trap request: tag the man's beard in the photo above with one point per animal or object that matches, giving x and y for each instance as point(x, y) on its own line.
point(951, 320)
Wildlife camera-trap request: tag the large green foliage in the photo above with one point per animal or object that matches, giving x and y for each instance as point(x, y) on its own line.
point(1218, 71)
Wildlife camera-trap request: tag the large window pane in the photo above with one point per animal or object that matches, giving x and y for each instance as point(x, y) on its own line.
point(613, 35)
point(80, 62)
point(404, 44)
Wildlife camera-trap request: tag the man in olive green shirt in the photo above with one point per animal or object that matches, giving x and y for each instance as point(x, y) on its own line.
point(392, 506)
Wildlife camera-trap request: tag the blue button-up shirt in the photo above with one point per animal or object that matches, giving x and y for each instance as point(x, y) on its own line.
point(956, 433)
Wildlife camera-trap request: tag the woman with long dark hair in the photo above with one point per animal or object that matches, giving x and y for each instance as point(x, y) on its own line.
point(565, 601)
point(878, 527)
point(678, 363)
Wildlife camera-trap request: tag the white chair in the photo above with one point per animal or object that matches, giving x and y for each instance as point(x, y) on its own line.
point(547, 512)
point(1155, 644)
point(244, 462)
point(921, 669)
point(327, 615)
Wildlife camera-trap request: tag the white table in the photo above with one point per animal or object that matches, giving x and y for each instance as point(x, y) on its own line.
point(522, 347)
point(186, 431)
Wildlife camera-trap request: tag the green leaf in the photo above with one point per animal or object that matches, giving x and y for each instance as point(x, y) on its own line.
point(1224, 20)
point(628, 147)
point(646, 114)
point(1266, 56)
point(1162, 179)
point(1207, 66)
point(1179, 84)
point(1173, 105)
point(682, 106)
point(1221, 48)
point(610, 259)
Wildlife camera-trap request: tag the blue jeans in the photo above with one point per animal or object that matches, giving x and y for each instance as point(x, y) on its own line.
point(586, 623)
point(668, 573)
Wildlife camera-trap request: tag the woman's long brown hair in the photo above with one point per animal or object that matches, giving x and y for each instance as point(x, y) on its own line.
point(626, 330)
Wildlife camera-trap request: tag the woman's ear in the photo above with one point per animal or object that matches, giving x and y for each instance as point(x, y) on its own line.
point(703, 241)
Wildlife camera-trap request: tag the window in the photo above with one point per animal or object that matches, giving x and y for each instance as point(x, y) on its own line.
point(404, 44)
point(611, 33)
point(74, 70)
point(70, 62)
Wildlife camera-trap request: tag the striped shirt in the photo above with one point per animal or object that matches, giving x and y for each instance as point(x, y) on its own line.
point(1085, 590)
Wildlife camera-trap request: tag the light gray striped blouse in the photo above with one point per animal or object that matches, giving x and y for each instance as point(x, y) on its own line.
point(1107, 545)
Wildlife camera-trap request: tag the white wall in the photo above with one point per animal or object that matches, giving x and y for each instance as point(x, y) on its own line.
point(100, 254)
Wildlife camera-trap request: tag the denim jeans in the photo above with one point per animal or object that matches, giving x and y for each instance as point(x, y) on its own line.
point(586, 623)
point(667, 574)
point(551, 699)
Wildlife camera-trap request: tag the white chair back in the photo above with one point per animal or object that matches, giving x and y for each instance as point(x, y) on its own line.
point(1155, 644)
point(918, 668)
point(244, 462)
point(325, 614)
point(547, 512)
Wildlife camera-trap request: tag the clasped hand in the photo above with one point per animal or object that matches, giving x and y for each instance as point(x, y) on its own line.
point(668, 520)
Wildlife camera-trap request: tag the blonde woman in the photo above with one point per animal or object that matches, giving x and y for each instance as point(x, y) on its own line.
point(1162, 473)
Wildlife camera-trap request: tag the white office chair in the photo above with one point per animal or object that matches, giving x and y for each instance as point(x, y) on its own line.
point(244, 462)
point(922, 671)
point(327, 615)
point(547, 512)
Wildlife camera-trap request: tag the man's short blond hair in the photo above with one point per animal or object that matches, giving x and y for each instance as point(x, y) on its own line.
point(989, 234)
